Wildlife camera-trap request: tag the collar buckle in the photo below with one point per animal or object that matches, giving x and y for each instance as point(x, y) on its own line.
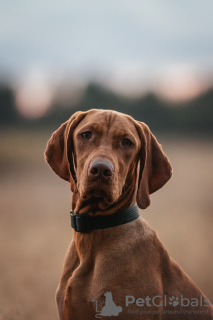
point(80, 222)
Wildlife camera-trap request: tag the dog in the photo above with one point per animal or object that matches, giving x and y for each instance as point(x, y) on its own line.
point(112, 163)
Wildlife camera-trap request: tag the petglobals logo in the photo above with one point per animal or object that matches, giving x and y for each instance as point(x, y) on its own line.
point(159, 301)
point(106, 305)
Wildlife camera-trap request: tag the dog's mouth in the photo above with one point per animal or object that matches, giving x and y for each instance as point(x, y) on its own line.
point(99, 190)
point(97, 193)
point(98, 182)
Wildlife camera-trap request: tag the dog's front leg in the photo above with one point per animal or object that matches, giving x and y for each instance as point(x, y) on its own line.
point(63, 291)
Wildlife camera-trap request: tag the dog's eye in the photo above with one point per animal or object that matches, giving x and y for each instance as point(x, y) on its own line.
point(127, 143)
point(86, 135)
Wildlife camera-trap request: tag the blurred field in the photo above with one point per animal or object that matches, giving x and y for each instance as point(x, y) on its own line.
point(35, 226)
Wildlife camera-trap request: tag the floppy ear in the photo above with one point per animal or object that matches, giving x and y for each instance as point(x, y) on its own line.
point(155, 168)
point(59, 150)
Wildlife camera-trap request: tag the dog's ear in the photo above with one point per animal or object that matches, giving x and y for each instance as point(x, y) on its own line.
point(155, 168)
point(59, 150)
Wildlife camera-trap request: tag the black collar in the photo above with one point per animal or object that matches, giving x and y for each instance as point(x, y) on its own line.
point(85, 223)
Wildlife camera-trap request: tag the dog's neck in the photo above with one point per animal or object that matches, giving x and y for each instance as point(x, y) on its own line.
point(88, 245)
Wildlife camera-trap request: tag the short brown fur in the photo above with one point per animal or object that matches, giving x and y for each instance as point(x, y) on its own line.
point(128, 260)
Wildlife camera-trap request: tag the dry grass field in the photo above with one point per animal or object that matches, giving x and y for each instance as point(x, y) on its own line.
point(35, 225)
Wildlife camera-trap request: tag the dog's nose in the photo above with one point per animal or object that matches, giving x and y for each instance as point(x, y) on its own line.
point(101, 168)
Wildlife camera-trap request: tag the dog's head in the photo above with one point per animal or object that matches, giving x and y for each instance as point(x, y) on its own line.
point(107, 155)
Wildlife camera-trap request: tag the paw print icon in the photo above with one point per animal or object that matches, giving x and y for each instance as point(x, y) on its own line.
point(173, 301)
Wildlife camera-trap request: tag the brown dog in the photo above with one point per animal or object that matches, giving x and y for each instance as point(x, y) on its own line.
point(124, 271)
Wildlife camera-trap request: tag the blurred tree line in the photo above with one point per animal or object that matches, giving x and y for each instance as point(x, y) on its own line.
point(191, 117)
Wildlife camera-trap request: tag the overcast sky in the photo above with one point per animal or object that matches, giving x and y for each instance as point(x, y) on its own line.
point(113, 40)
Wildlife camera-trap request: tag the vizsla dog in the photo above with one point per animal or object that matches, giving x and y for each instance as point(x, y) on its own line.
point(112, 163)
